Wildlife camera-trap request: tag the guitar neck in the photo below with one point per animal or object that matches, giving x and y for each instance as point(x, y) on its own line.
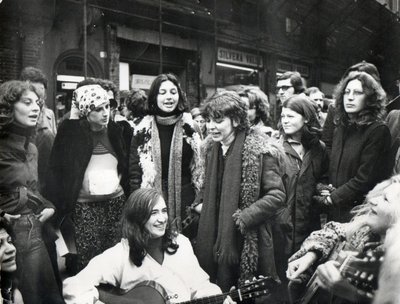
point(217, 299)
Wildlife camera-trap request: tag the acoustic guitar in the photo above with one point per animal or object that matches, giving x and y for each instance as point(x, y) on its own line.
point(150, 292)
point(361, 270)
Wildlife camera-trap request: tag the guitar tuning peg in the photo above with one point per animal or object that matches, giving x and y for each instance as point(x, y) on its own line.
point(370, 277)
point(363, 275)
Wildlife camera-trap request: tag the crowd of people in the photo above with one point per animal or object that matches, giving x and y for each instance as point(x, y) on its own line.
point(149, 193)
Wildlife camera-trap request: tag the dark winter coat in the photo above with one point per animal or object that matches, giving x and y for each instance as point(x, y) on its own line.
point(359, 160)
point(19, 174)
point(303, 176)
point(265, 176)
point(70, 156)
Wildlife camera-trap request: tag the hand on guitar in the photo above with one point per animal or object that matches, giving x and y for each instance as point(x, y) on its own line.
point(331, 279)
point(297, 267)
point(228, 300)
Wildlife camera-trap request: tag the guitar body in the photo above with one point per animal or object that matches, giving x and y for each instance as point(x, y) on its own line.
point(143, 293)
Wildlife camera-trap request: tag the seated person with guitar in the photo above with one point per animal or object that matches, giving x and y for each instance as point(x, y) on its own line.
point(348, 267)
point(150, 251)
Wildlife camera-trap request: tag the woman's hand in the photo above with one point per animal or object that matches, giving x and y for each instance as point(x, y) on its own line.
point(238, 221)
point(331, 279)
point(297, 267)
point(11, 218)
point(45, 214)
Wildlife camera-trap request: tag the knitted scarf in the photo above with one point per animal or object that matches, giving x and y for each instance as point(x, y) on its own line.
point(217, 237)
point(175, 162)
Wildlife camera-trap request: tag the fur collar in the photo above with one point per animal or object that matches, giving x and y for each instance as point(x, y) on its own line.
point(142, 132)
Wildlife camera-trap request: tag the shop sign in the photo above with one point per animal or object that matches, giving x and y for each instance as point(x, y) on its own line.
point(68, 85)
point(141, 81)
point(238, 57)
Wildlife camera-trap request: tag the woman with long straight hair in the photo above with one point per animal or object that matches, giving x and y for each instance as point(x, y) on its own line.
point(307, 164)
point(149, 250)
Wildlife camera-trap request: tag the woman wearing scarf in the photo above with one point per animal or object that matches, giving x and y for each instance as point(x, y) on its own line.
point(88, 173)
point(165, 149)
point(243, 191)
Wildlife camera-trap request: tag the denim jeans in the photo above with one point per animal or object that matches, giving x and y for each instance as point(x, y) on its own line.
point(36, 279)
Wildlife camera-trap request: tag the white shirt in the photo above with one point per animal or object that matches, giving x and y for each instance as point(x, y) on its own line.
point(180, 274)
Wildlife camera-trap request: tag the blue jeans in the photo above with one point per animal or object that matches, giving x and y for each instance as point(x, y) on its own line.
point(36, 279)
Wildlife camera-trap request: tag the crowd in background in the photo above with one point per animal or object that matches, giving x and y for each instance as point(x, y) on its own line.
point(142, 187)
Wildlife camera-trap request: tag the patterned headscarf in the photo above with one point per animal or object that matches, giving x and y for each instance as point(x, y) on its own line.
point(89, 97)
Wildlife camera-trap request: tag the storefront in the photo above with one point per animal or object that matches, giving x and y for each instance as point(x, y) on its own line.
point(235, 68)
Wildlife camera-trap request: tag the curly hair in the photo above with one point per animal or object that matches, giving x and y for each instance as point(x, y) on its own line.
point(151, 105)
point(311, 130)
point(227, 104)
point(136, 101)
point(135, 215)
point(11, 92)
point(258, 100)
point(375, 100)
point(33, 74)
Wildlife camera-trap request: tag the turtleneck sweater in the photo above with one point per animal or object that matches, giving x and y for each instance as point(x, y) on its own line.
point(18, 169)
point(166, 127)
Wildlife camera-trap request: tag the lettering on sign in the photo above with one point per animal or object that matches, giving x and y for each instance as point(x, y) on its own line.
point(141, 81)
point(238, 57)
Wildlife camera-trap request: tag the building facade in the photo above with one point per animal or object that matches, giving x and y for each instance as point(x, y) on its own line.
point(208, 44)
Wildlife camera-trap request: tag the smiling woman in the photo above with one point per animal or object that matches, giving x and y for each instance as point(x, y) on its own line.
point(149, 250)
point(307, 164)
point(165, 149)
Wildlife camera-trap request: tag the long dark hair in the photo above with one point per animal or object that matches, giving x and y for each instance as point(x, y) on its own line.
point(375, 100)
point(311, 130)
point(151, 107)
point(136, 213)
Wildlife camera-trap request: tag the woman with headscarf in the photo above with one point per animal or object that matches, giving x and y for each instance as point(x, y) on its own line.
point(88, 173)
point(165, 149)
